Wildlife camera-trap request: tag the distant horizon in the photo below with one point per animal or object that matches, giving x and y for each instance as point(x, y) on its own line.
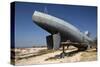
point(34, 46)
point(28, 34)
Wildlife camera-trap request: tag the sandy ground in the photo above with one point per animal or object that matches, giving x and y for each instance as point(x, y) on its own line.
point(54, 57)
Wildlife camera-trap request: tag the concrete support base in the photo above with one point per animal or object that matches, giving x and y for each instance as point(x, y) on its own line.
point(53, 41)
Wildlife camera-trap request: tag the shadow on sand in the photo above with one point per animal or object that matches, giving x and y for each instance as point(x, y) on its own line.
point(62, 55)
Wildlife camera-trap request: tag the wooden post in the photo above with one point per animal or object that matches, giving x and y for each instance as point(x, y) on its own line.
point(63, 48)
point(63, 53)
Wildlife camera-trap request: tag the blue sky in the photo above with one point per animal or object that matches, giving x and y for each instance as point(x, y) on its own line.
point(28, 34)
